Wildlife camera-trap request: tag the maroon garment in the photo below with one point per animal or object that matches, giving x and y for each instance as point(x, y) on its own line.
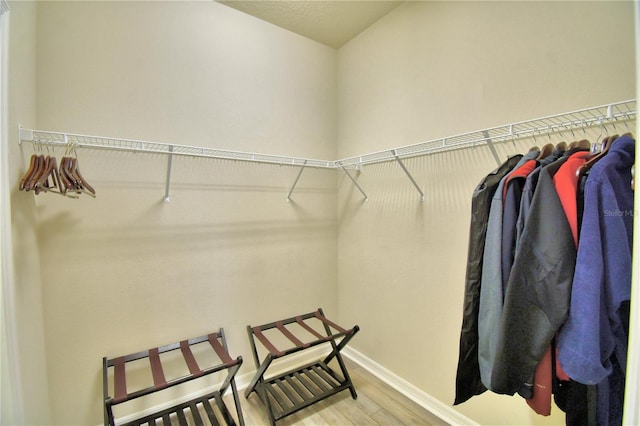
point(566, 183)
point(540, 402)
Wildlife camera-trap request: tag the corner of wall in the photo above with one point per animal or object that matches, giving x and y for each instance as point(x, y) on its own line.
point(27, 286)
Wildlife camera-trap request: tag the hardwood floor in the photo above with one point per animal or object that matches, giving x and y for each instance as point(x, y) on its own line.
point(377, 404)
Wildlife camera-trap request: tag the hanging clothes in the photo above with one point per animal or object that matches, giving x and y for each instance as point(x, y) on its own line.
point(528, 190)
point(468, 381)
point(592, 344)
point(540, 401)
point(491, 296)
point(512, 195)
point(536, 302)
point(565, 183)
point(553, 294)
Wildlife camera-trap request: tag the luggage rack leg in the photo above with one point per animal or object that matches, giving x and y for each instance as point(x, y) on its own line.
point(230, 381)
point(336, 353)
point(300, 387)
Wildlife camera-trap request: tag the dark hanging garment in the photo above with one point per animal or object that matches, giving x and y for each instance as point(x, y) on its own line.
point(512, 197)
point(565, 182)
point(468, 382)
point(578, 401)
point(537, 297)
point(529, 189)
point(491, 292)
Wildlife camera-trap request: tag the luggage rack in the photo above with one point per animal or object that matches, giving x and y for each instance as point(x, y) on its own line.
point(300, 387)
point(200, 410)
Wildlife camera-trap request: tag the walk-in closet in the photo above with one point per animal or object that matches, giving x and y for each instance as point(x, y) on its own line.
point(249, 173)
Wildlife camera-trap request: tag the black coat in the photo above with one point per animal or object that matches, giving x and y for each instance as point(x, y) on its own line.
point(468, 381)
point(538, 292)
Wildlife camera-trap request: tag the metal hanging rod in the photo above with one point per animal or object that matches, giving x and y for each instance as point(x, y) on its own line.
point(558, 123)
point(618, 112)
point(106, 143)
point(114, 144)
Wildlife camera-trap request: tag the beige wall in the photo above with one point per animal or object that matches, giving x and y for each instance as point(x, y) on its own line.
point(125, 271)
point(26, 255)
point(434, 69)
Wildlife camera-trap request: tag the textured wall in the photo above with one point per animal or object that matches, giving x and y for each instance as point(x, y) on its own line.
point(434, 69)
point(27, 281)
point(125, 271)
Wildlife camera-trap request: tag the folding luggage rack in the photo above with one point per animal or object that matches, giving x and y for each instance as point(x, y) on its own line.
point(200, 410)
point(300, 387)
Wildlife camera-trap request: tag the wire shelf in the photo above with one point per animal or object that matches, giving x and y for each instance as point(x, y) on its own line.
point(41, 137)
point(565, 122)
point(619, 112)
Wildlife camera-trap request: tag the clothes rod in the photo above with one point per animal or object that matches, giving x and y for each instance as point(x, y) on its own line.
point(618, 112)
point(569, 122)
point(47, 138)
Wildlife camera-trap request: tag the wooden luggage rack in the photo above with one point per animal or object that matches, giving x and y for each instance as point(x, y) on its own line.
point(300, 387)
point(206, 409)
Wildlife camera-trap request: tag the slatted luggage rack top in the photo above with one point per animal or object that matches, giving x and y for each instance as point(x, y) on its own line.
point(209, 407)
point(300, 387)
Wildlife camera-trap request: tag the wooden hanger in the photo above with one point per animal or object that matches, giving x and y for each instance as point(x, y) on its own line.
point(30, 171)
point(546, 151)
point(33, 171)
point(594, 158)
point(583, 144)
point(69, 183)
point(72, 178)
point(561, 146)
point(84, 185)
point(66, 181)
point(44, 175)
point(49, 178)
point(35, 176)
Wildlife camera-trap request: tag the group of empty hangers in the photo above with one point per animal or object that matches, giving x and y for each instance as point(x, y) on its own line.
point(44, 175)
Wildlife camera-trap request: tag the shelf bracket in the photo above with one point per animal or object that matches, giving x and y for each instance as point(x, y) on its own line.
point(168, 182)
point(24, 135)
point(491, 147)
point(354, 182)
point(296, 181)
point(395, 155)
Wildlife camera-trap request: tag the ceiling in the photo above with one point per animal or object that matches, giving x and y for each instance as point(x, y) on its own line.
point(330, 22)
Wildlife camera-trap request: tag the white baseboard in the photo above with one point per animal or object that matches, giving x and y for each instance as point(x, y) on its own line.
point(443, 411)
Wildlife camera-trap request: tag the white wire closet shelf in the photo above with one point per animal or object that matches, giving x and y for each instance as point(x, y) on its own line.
point(552, 124)
point(613, 113)
point(60, 139)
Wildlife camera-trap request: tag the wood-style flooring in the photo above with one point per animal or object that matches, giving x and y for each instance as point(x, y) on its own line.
point(377, 404)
